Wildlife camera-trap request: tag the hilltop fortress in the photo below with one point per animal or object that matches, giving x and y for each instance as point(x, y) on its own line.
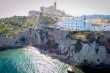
point(51, 11)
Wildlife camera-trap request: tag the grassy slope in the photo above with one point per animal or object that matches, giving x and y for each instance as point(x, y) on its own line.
point(13, 25)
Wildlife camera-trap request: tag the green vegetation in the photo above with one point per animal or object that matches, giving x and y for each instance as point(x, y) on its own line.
point(97, 50)
point(49, 28)
point(78, 46)
point(85, 61)
point(98, 60)
point(49, 20)
point(22, 39)
point(108, 21)
point(76, 70)
point(69, 35)
point(56, 45)
point(13, 25)
point(80, 32)
point(89, 36)
point(41, 35)
point(96, 33)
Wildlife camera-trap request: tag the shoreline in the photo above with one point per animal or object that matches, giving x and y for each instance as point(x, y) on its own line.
point(87, 68)
point(3, 48)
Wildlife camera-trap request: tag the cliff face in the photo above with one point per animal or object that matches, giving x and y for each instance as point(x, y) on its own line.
point(57, 43)
point(74, 51)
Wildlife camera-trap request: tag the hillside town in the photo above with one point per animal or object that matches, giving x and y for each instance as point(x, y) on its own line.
point(71, 23)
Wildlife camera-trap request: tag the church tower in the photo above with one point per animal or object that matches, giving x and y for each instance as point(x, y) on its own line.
point(55, 5)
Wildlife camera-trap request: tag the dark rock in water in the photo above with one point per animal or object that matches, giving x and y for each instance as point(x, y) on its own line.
point(70, 71)
point(97, 69)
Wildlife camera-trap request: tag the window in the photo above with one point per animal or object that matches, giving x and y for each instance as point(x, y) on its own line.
point(84, 23)
point(94, 28)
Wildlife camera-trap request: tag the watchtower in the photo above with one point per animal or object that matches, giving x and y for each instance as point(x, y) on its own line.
point(55, 5)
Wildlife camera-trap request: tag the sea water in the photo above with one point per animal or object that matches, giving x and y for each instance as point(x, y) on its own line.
point(29, 60)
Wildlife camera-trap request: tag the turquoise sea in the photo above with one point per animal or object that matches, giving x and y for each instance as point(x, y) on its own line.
point(29, 61)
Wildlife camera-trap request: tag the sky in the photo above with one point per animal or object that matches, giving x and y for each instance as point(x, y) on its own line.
point(10, 8)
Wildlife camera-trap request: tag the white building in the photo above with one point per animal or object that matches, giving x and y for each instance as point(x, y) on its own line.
point(76, 25)
point(105, 27)
point(81, 25)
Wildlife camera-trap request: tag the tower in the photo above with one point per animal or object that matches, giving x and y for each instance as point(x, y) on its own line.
point(55, 5)
point(41, 9)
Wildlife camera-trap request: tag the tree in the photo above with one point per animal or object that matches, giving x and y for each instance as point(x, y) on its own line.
point(22, 39)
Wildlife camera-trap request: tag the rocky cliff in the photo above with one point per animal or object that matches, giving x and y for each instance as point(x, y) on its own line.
point(59, 44)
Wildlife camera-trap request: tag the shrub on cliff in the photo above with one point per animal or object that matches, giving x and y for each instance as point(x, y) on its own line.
point(97, 49)
point(78, 46)
point(22, 39)
point(56, 45)
point(49, 20)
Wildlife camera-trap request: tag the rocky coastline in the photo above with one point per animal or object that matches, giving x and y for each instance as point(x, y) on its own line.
point(86, 68)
